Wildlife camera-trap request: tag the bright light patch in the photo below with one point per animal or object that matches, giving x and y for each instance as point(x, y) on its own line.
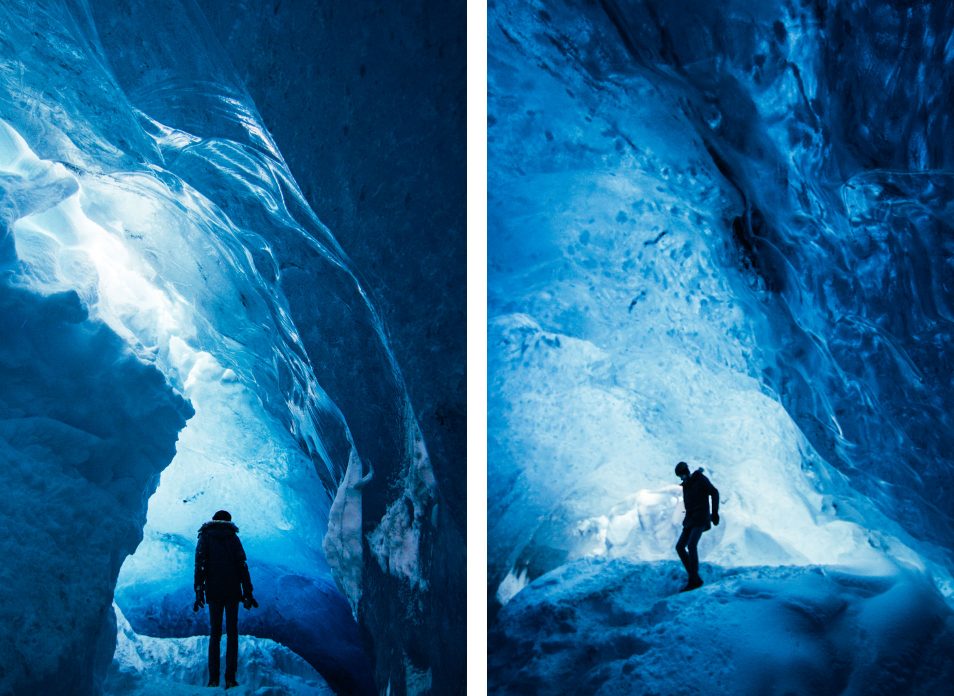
point(233, 454)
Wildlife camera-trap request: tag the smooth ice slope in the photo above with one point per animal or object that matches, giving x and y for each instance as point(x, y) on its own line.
point(156, 251)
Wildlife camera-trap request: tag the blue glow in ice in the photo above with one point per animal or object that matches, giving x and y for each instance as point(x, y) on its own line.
point(720, 234)
point(154, 252)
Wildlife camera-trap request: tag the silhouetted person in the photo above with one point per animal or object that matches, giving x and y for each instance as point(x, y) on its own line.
point(696, 491)
point(222, 580)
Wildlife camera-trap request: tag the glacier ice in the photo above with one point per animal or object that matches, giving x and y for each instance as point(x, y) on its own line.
point(713, 239)
point(619, 627)
point(181, 335)
point(630, 324)
point(146, 666)
point(85, 429)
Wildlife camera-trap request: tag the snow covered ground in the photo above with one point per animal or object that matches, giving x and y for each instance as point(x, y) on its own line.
point(146, 666)
point(617, 627)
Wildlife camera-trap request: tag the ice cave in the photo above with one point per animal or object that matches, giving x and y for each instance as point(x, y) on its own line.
point(181, 333)
point(721, 233)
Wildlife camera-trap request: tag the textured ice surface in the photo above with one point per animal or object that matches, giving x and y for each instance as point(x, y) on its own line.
point(828, 123)
point(376, 142)
point(617, 627)
point(145, 666)
point(685, 263)
point(719, 233)
point(156, 253)
point(85, 429)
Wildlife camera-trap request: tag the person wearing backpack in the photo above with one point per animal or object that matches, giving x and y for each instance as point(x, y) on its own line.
point(222, 580)
point(696, 491)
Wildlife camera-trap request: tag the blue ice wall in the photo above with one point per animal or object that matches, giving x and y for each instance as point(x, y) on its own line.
point(146, 202)
point(718, 232)
point(85, 429)
point(830, 120)
point(376, 142)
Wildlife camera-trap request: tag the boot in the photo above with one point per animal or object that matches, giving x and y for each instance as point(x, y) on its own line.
point(693, 584)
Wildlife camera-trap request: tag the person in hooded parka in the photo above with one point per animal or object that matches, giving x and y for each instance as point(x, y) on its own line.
point(222, 580)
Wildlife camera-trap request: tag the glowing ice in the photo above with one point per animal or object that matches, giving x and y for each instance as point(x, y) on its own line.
point(139, 250)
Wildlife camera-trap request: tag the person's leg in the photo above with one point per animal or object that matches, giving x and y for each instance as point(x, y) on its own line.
point(215, 637)
point(231, 641)
point(681, 549)
point(693, 553)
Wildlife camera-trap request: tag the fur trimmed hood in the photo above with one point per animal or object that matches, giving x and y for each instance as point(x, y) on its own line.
point(219, 526)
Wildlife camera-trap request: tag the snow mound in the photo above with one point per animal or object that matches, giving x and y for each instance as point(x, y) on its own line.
point(147, 666)
point(617, 627)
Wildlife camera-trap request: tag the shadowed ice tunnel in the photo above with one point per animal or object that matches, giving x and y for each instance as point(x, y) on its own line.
point(182, 334)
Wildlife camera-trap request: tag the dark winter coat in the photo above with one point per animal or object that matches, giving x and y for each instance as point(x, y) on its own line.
point(220, 567)
point(696, 491)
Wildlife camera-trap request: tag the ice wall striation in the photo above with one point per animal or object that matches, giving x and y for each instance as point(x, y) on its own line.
point(830, 122)
point(376, 143)
point(155, 228)
point(715, 235)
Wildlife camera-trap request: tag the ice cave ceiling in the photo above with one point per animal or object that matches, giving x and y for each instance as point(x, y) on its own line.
point(182, 333)
point(720, 232)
